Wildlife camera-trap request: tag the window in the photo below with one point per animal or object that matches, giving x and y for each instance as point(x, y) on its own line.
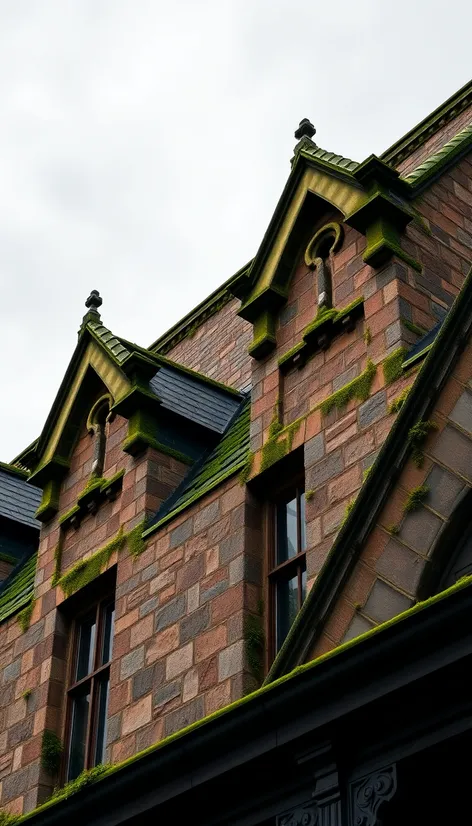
point(88, 688)
point(287, 575)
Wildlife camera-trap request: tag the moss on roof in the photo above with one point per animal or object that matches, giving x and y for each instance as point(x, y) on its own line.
point(460, 143)
point(227, 458)
point(18, 589)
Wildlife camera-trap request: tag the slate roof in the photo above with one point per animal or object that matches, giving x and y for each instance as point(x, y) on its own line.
point(196, 400)
point(330, 157)
point(18, 500)
point(227, 458)
point(17, 590)
point(423, 344)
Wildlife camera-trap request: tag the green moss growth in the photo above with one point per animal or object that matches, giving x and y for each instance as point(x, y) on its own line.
point(348, 510)
point(68, 514)
point(358, 388)
point(93, 483)
point(309, 494)
point(276, 448)
point(393, 529)
point(103, 771)
point(7, 819)
point(57, 561)
point(392, 366)
point(10, 560)
point(254, 644)
point(134, 538)
point(84, 779)
point(246, 469)
point(323, 315)
point(27, 694)
point(51, 752)
point(417, 436)
point(24, 616)
point(88, 569)
point(366, 472)
point(415, 498)
point(107, 483)
point(413, 328)
point(291, 353)
point(396, 405)
point(367, 336)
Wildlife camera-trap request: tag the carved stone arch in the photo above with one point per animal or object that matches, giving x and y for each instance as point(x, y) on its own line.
point(451, 552)
point(318, 254)
point(97, 420)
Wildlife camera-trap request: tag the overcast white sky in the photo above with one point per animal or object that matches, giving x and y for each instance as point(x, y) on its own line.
point(144, 145)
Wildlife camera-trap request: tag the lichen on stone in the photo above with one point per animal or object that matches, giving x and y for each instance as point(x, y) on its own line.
point(415, 498)
point(85, 570)
point(393, 365)
point(24, 616)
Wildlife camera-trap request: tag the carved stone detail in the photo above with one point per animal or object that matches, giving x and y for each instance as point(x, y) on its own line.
point(368, 794)
point(304, 815)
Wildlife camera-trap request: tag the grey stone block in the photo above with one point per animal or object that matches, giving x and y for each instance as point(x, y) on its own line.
point(180, 535)
point(358, 626)
point(20, 732)
point(400, 566)
point(12, 671)
point(231, 660)
point(113, 728)
point(327, 469)
point(143, 682)
point(462, 412)
point(373, 409)
point(132, 662)
point(194, 624)
point(170, 613)
point(345, 378)
point(384, 602)
point(314, 450)
point(19, 782)
point(419, 530)
point(454, 450)
point(183, 717)
point(393, 333)
point(206, 516)
point(231, 547)
point(213, 591)
point(148, 606)
point(444, 490)
point(166, 693)
point(128, 586)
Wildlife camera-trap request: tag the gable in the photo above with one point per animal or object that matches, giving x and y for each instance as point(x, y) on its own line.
point(388, 548)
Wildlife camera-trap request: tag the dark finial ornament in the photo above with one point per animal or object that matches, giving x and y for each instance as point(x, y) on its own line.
point(305, 129)
point(94, 301)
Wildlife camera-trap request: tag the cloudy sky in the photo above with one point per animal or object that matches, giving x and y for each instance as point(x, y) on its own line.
point(144, 144)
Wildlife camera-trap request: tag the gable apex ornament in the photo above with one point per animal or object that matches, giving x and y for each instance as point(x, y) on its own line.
point(305, 129)
point(94, 301)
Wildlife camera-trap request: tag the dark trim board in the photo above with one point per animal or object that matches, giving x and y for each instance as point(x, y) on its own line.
point(379, 700)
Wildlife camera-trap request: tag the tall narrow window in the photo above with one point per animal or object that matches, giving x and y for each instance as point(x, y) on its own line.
point(287, 575)
point(88, 688)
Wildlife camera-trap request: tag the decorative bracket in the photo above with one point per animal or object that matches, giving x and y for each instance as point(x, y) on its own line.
point(304, 815)
point(369, 794)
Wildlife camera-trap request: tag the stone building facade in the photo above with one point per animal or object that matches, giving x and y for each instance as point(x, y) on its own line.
point(196, 492)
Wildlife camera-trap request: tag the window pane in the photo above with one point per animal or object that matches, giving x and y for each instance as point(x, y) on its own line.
point(108, 623)
point(303, 585)
point(286, 531)
point(77, 749)
point(86, 647)
point(302, 523)
point(286, 606)
point(101, 722)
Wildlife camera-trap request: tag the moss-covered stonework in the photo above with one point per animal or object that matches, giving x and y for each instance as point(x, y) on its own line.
point(393, 365)
point(415, 498)
point(396, 405)
point(134, 539)
point(24, 616)
point(417, 436)
point(51, 752)
point(88, 569)
point(97, 489)
point(358, 388)
point(94, 775)
point(328, 322)
point(279, 443)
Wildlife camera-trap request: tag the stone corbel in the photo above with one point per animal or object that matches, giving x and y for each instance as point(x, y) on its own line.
point(369, 795)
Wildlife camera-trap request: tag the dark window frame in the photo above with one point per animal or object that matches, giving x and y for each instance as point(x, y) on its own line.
point(95, 679)
point(279, 572)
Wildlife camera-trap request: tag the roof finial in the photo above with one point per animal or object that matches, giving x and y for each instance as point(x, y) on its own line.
point(305, 129)
point(94, 301)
